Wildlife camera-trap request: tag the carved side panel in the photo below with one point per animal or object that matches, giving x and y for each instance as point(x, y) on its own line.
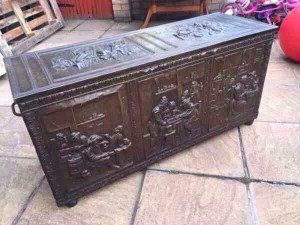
point(261, 56)
point(173, 107)
point(90, 134)
point(236, 84)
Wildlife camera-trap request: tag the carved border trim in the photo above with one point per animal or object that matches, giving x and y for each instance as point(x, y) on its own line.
point(48, 166)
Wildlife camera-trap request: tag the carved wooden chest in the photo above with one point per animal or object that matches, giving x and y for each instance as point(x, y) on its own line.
point(102, 109)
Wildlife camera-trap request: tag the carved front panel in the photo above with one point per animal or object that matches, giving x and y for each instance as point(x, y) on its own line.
point(90, 134)
point(173, 106)
point(234, 86)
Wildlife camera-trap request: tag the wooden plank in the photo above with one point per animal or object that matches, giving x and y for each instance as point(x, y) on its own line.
point(18, 31)
point(5, 6)
point(46, 7)
point(13, 19)
point(19, 46)
point(40, 35)
point(5, 49)
point(20, 16)
point(56, 11)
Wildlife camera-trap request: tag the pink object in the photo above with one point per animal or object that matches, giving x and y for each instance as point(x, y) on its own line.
point(289, 35)
point(263, 10)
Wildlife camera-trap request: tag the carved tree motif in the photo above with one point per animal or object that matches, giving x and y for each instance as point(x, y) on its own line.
point(197, 30)
point(84, 153)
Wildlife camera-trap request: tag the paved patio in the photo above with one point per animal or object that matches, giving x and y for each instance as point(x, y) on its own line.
point(249, 175)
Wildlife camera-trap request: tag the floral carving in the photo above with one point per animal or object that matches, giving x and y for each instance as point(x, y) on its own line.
point(198, 30)
point(84, 153)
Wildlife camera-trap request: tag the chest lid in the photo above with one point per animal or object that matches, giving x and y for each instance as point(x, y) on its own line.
point(35, 72)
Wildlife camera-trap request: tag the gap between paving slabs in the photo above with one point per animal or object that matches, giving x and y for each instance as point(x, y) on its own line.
point(247, 180)
point(28, 200)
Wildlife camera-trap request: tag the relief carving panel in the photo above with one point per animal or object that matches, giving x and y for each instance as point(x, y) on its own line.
point(245, 92)
point(235, 85)
point(83, 154)
point(90, 138)
point(85, 56)
point(198, 30)
point(173, 108)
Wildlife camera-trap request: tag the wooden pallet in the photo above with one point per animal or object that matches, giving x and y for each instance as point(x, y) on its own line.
point(24, 23)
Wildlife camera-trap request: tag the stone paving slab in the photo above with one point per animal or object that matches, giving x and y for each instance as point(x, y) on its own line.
point(273, 151)
point(16, 124)
point(169, 199)
point(119, 28)
point(112, 205)
point(15, 140)
point(5, 115)
point(68, 37)
point(72, 24)
point(220, 155)
point(95, 25)
point(296, 68)
point(18, 178)
point(281, 74)
point(5, 93)
point(277, 56)
point(276, 204)
point(280, 103)
point(112, 33)
point(16, 144)
point(134, 25)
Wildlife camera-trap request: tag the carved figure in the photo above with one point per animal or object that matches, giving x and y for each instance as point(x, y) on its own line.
point(190, 111)
point(121, 143)
point(167, 116)
point(77, 137)
point(61, 140)
point(244, 91)
point(162, 111)
point(118, 137)
point(98, 152)
point(253, 82)
point(174, 109)
point(76, 166)
point(195, 90)
point(85, 153)
point(94, 151)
